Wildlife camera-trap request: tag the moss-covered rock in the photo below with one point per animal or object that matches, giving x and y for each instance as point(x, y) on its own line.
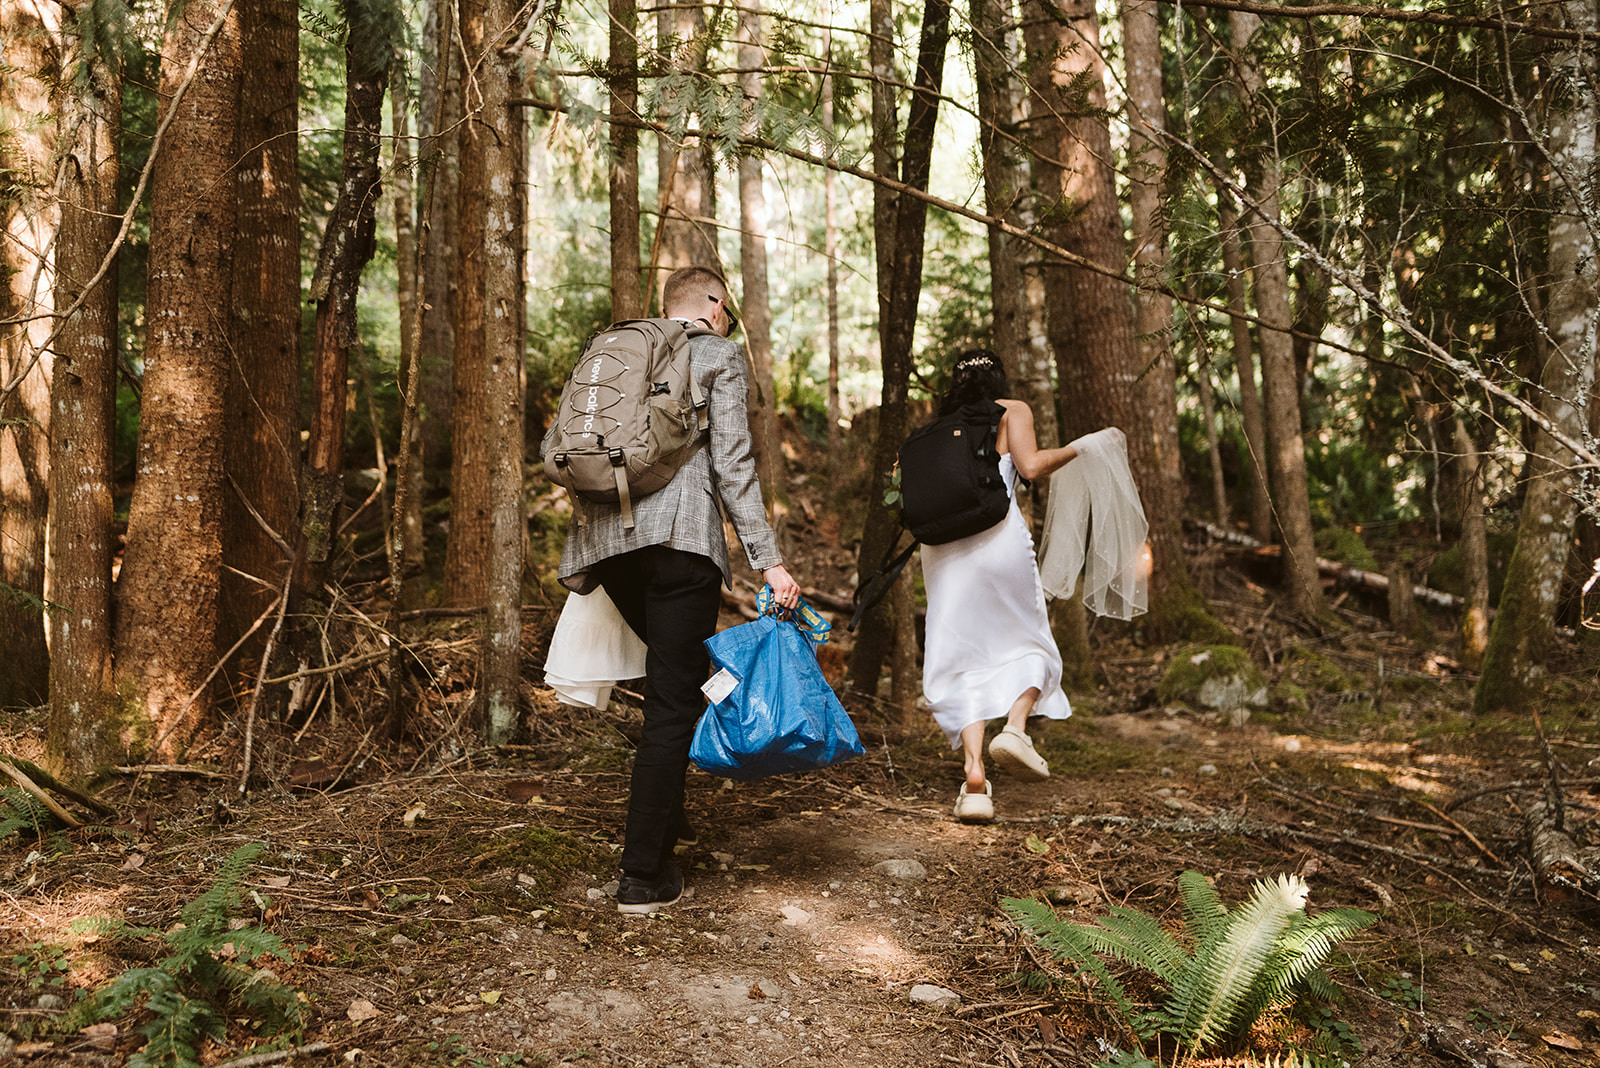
point(1347, 547)
point(1218, 677)
point(1315, 671)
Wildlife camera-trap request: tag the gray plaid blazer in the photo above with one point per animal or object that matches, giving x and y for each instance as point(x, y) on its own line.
point(683, 513)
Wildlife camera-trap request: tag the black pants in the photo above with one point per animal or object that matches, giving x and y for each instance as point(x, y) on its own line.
point(670, 599)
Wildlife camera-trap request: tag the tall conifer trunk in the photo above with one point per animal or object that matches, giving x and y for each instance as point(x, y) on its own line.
point(167, 597)
point(1524, 628)
point(263, 399)
point(756, 308)
point(505, 171)
point(900, 222)
point(83, 730)
point(29, 35)
point(347, 246)
point(1286, 453)
point(627, 298)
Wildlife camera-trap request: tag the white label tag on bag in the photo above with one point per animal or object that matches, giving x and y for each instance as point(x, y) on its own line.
point(720, 685)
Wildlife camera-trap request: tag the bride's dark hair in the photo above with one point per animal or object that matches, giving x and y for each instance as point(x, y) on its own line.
point(975, 376)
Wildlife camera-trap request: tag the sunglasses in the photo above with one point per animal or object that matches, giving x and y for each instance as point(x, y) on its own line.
point(733, 320)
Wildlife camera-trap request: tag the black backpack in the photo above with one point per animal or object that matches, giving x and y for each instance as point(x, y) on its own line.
point(950, 484)
point(950, 488)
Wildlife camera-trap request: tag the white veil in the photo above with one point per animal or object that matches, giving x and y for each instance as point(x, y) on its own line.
point(592, 648)
point(1094, 524)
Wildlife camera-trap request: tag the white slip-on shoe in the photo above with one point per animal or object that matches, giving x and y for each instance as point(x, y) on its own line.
point(1013, 750)
point(975, 808)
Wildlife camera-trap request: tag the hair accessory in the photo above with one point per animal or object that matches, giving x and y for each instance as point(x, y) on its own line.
point(982, 360)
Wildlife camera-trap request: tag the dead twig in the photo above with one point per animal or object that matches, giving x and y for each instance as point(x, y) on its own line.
point(1485, 850)
point(256, 1060)
point(37, 791)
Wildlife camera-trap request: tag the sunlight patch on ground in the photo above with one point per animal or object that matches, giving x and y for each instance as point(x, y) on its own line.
point(1404, 778)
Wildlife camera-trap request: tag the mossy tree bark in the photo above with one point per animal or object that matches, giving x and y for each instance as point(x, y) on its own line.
point(503, 144)
point(1524, 628)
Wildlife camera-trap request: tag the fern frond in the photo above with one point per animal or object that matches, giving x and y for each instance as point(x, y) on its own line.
point(121, 996)
point(1303, 948)
point(1227, 970)
point(1066, 941)
point(1204, 914)
point(173, 1036)
point(207, 914)
point(1135, 938)
point(30, 813)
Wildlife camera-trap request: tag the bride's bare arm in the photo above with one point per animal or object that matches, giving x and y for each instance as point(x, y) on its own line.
point(1017, 438)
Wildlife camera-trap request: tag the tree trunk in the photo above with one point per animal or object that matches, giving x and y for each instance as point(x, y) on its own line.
point(1173, 599)
point(82, 733)
point(830, 243)
point(1250, 417)
point(438, 117)
point(1286, 455)
point(29, 48)
point(1524, 628)
point(263, 398)
point(1474, 548)
point(627, 298)
point(347, 246)
point(1091, 320)
point(408, 538)
point(686, 232)
point(899, 288)
point(167, 610)
point(1005, 186)
point(505, 170)
point(1208, 411)
point(467, 547)
point(756, 309)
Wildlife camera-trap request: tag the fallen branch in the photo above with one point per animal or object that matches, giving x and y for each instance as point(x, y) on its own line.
point(33, 788)
point(50, 782)
point(255, 1060)
point(168, 769)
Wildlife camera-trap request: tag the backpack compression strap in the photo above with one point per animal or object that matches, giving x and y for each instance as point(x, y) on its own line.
point(619, 469)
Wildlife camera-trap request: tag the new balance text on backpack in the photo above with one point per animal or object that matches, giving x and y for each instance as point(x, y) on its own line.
point(630, 416)
point(950, 484)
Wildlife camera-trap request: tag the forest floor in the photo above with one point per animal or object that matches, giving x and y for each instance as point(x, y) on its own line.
point(448, 906)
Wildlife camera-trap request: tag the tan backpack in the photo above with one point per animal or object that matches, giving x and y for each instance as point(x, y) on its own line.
point(631, 415)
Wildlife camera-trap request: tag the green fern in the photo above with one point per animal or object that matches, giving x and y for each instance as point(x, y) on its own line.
point(21, 811)
point(209, 972)
point(1231, 968)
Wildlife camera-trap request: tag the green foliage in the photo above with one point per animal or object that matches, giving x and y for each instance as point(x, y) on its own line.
point(1402, 991)
point(1230, 968)
point(42, 966)
point(21, 811)
point(1347, 547)
point(1192, 669)
point(207, 976)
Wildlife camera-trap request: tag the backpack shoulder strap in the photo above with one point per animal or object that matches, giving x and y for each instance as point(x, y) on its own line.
point(880, 581)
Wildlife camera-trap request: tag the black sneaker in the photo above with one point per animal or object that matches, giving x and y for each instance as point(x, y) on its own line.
point(642, 896)
point(684, 832)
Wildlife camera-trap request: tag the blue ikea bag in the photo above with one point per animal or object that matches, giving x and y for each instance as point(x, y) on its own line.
point(780, 713)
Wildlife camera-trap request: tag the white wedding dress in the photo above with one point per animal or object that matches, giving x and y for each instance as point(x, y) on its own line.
point(988, 637)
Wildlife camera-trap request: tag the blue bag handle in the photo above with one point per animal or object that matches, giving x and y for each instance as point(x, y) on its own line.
point(807, 620)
